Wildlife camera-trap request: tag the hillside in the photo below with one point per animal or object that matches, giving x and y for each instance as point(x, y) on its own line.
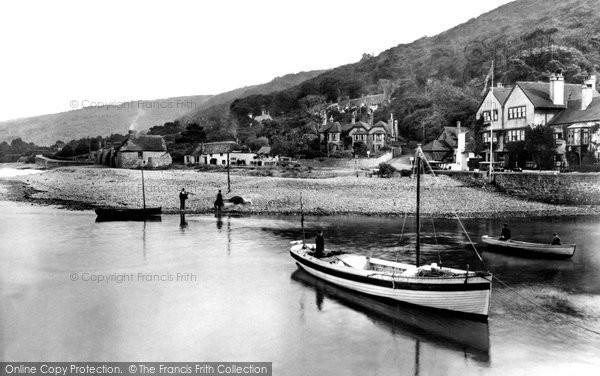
point(94, 121)
point(102, 121)
point(219, 104)
point(436, 81)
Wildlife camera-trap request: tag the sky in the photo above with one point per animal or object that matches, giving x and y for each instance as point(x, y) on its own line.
point(56, 56)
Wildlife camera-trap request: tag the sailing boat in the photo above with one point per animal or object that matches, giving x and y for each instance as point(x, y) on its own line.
point(130, 214)
point(462, 292)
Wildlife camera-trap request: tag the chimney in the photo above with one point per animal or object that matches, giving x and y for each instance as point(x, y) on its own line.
point(587, 91)
point(458, 126)
point(391, 125)
point(132, 132)
point(557, 88)
point(500, 85)
point(353, 117)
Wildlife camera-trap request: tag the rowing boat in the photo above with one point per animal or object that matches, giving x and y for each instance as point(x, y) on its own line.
point(527, 249)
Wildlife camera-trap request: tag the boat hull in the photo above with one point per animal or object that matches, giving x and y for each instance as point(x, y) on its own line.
point(126, 214)
point(468, 297)
point(531, 250)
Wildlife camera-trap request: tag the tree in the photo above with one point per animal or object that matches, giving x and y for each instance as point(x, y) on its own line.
point(19, 146)
point(193, 134)
point(360, 149)
point(539, 143)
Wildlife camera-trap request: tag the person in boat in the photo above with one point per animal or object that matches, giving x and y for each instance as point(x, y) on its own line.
point(505, 235)
point(183, 195)
point(319, 245)
point(555, 239)
point(219, 201)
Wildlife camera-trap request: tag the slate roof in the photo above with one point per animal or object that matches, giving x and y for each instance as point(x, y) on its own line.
point(574, 114)
point(264, 150)
point(143, 142)
point(216, 148)
point(502, 93)
point(539, 93)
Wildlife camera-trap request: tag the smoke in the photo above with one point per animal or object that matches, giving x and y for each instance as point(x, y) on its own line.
point(135, 119)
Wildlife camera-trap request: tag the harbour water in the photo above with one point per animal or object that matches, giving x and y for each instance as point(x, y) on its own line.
point(205, 288)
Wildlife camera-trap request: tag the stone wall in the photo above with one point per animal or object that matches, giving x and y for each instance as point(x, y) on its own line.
point(153, 159)
point(346, 163)
point(45, 162)
point(570, 188)
point(556, 188)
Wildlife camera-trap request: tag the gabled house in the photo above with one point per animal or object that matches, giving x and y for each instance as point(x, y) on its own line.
point(507, 113)
point(442, 149)
point(139, 149)
point(374, 136)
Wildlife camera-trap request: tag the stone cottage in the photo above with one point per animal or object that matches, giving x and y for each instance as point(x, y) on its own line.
point(141, 148)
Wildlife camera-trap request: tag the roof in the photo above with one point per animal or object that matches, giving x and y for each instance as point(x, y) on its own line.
point(260, 118)
point(384, 125)
point(539, 93)
point(331, 127)
point(264, 150)
point(501, 93)
point(436, 146)
point(215, 147)
point(574, 114)
point(143, 142)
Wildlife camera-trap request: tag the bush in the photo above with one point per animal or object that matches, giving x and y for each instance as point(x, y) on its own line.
point(588, 168)
point(386, 170)
point(341, 154)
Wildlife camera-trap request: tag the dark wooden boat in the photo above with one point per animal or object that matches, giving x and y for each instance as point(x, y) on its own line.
point(127, 214)
point(130, 214)
point(529, 249)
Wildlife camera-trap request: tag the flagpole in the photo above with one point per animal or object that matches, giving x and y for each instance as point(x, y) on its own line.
point(492, 122)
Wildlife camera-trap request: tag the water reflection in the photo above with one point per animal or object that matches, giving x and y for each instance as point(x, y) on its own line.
point(182, 222)
point(466, 336)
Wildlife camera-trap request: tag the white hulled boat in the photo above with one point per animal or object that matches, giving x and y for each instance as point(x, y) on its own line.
point(459, 291)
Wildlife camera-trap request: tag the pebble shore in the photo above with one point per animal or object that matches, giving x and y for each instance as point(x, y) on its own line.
point(90, 187)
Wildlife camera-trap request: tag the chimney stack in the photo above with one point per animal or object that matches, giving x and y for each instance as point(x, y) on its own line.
point(500, 85)
point(458, 125)
point(587, 91)
point(132, 132)
point(557, 88)
point(353, 117)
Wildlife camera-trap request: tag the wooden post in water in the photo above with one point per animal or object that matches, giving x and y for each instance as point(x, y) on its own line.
point(418, 246)
point(228, 179)
point(143, 187)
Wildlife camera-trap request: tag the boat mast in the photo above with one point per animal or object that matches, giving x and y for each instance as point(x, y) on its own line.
point(418, 160)
point(143, 188)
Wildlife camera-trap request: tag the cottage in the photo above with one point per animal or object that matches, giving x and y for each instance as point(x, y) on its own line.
point(140, 149)
point(213, 153)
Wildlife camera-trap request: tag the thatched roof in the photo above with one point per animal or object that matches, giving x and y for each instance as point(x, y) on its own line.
point(143, 142)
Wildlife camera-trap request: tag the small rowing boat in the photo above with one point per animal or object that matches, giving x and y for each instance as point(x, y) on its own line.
point(127, 214)
point(530, 249)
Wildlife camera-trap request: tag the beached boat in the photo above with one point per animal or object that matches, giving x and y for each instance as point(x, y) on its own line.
point(130, 214)
point(127, 214)
point(529, 249)
point(458, 291)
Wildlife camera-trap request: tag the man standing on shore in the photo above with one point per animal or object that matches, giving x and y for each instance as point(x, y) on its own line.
point(183, 195)
point(219, 201)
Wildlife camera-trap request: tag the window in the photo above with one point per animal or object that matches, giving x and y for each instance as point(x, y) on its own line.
point(585, 136)
point(140, 155)
point(486, 138)
point(515, 135)
point(487, 116)
point(517, 112)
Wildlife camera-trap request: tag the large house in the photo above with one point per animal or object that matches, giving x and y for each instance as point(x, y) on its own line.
point(342, 137)
point(572, 110)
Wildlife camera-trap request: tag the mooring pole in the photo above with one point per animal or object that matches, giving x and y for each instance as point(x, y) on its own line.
point(228, 178)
